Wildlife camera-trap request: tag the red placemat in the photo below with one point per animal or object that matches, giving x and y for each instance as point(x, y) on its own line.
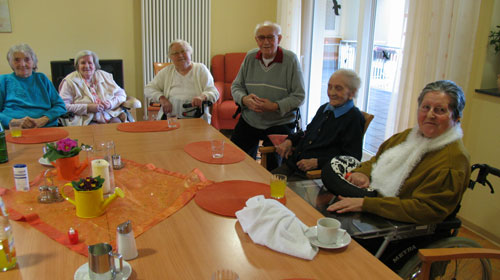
point(38, 135)
point(225, 198)
point(202, 151)
point(146, 126)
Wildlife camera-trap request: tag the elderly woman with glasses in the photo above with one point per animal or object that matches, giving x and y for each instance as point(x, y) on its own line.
point(182, 82)
point(418, 175)
point(92, 94)
point(27, 97)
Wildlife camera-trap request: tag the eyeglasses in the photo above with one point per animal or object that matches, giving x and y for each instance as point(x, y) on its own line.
point(436, 110)
point(268, 37)
point(182, 52)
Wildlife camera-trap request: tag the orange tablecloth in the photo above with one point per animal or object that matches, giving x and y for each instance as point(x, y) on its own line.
point(151, 195)
point(225, 198)
point(146, 126)
point(202, 151)
point(38, 135)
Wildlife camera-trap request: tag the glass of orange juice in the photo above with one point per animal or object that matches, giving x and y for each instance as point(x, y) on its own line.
point(15, 130)
point(278, 185)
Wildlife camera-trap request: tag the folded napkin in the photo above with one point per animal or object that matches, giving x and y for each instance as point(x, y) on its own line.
point(270, 223)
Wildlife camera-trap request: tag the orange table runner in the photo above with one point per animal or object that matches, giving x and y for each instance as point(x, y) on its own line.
point(146, 126)
point(151, 195)
point(225, 198)
point(202, 151)
point(38, 135)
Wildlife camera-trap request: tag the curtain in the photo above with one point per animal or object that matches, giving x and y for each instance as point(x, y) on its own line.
point(438, 45)
point(289, 18)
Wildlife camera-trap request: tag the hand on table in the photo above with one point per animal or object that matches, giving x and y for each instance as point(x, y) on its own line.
point(347, 204)
point(41, 122)
point(25, 122)
point(307, 164)
point(284, 149)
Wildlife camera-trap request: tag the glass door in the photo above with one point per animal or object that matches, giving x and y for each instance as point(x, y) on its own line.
point(366, 37)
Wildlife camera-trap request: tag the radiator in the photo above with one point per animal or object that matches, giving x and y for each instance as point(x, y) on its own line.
point(166, 20)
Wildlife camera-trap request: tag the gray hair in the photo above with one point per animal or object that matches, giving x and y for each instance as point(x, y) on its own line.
point(455, 92)
point(276, 27)
point(26, 50)
point(353, 79)
point(83, 53)
point(183, 43)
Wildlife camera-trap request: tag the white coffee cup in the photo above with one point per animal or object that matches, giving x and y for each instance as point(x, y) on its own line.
point(329, 231)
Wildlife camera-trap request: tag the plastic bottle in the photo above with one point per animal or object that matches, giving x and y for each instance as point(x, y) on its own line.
point(7, 250)
point(3, 146)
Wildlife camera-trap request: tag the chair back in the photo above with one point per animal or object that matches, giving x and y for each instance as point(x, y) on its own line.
point(224, 70)
point(157, 66)
point(368, 120)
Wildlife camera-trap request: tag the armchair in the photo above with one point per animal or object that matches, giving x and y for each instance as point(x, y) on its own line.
point(311, 174)
point(224, 70)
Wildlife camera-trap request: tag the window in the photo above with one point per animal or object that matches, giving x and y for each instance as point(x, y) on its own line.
point(374, 51)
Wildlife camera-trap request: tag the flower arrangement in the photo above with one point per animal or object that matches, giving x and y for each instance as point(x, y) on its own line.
point(88, 184)
point(63, 148)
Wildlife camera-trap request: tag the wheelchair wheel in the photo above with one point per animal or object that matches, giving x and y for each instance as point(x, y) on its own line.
point(454, 269)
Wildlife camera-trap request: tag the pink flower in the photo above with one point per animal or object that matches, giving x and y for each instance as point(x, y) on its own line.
point(66, 145)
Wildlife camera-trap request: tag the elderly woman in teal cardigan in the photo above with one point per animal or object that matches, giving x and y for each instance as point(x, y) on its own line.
point(27, 97)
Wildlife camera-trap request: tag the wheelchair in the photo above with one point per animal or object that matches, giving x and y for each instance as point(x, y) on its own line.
point(395, 243)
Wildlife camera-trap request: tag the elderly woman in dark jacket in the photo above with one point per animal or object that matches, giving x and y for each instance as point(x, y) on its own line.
point(336, 129)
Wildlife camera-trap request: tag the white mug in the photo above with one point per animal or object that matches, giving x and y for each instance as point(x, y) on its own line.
point(329, 231)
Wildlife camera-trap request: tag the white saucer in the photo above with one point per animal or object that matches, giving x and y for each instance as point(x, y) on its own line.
point(312, 233)
point(45, 162)
point(82, 273)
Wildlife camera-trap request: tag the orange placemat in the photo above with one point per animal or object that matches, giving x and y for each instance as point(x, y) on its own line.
point(38, 135)
point(151, 195)
point(202, 151)
point(225, 198)
point(146, 126)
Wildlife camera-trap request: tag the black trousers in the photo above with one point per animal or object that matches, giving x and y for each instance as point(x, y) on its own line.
point(247, 138)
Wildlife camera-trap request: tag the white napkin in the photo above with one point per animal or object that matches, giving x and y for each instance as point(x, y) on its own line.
point(270, 223)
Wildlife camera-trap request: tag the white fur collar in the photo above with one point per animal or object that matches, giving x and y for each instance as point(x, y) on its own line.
point(395, 164)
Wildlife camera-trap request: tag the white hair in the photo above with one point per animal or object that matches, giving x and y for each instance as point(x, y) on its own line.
point(26, 50)
point(276, 27)
point(83, 53)
point(183, 43)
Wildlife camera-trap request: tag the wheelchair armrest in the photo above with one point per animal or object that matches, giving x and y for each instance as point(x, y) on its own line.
point(314, 174)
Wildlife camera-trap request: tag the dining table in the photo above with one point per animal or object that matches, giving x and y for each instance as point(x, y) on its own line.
point(192, 243)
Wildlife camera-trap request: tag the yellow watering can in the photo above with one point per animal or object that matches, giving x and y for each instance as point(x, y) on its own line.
point(90, 204)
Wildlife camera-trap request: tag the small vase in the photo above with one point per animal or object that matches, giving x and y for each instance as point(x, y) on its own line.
point(69, 168)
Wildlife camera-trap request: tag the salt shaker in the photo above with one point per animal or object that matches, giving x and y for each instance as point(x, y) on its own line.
point(125, 241)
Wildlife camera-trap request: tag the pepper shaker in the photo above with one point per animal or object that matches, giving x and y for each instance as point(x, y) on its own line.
point(125, 241)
